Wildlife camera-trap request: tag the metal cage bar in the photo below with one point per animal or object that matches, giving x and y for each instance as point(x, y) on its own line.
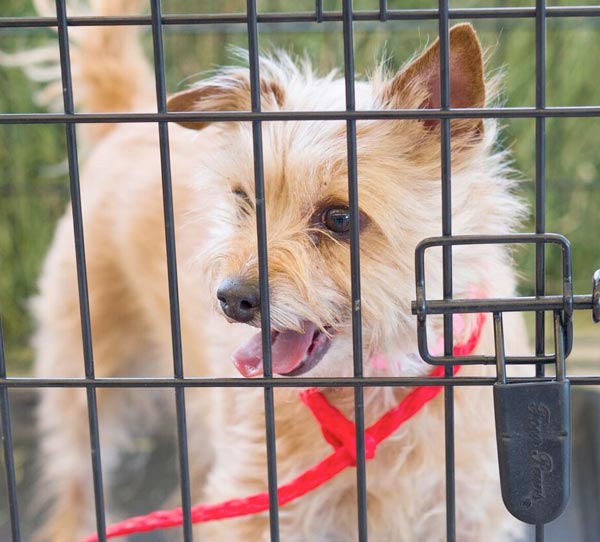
point(355, 302)
point(446, 219)
point(88, 356)
point(283, 116)
point(263, 265)
point(297, 382)
point(540, 190)
point(312, 16)
point(318, 11)
point(383, 10)
point(169, 220)
point(7, 441)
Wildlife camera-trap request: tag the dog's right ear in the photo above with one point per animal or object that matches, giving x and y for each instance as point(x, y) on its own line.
point(227, 91)
point(418, 84)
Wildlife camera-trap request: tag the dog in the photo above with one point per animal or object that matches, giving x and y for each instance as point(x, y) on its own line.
point(308, 221)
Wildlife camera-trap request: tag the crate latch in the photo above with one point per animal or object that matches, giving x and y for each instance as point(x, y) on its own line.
point(533, 432)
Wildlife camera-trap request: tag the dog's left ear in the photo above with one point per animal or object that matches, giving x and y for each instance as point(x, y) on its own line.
point(418, 84)
point(226, 91)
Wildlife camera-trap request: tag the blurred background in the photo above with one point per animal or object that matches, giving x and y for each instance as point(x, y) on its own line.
point(33, 174)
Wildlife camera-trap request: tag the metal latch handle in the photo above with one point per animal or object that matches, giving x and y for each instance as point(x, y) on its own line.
point(533, 434)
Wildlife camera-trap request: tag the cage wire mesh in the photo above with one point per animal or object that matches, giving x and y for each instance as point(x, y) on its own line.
point(243, 25)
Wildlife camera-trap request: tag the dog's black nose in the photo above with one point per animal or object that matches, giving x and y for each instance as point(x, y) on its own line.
point(239, 298)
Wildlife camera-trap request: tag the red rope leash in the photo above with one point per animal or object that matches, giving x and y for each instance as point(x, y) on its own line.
point(337, 430)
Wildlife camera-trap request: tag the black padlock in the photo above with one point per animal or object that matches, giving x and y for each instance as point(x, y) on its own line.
point(533, 433)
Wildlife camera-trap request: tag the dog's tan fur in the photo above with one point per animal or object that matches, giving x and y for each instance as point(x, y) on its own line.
point(305, 169)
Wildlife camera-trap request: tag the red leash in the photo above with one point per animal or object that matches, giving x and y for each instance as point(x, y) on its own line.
point(337, 430)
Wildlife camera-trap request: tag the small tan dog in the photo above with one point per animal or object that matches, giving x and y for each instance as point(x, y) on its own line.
point(307, 221)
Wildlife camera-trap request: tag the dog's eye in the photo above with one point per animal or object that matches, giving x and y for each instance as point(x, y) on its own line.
point(337, 219)
point(332, 221)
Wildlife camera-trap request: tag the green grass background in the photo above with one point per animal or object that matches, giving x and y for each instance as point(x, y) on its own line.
point(34, 185)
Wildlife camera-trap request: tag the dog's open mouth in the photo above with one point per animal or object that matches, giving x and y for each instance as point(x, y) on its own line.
point(292, 353)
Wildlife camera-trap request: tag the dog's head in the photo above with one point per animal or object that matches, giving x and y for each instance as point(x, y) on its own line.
point(307, 209)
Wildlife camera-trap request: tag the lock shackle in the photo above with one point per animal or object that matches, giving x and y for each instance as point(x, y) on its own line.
point(499, 345)
point(559, 346)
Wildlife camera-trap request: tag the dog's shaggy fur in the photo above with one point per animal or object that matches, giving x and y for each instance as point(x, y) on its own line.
point(309, 274)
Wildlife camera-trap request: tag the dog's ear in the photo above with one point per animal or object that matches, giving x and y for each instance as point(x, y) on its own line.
point(418, 84)
point(227, 91)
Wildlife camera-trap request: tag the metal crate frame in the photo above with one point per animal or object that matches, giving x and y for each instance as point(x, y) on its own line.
point(422, 307)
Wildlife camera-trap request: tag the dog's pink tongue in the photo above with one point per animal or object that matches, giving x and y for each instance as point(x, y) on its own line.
point(288, 349)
